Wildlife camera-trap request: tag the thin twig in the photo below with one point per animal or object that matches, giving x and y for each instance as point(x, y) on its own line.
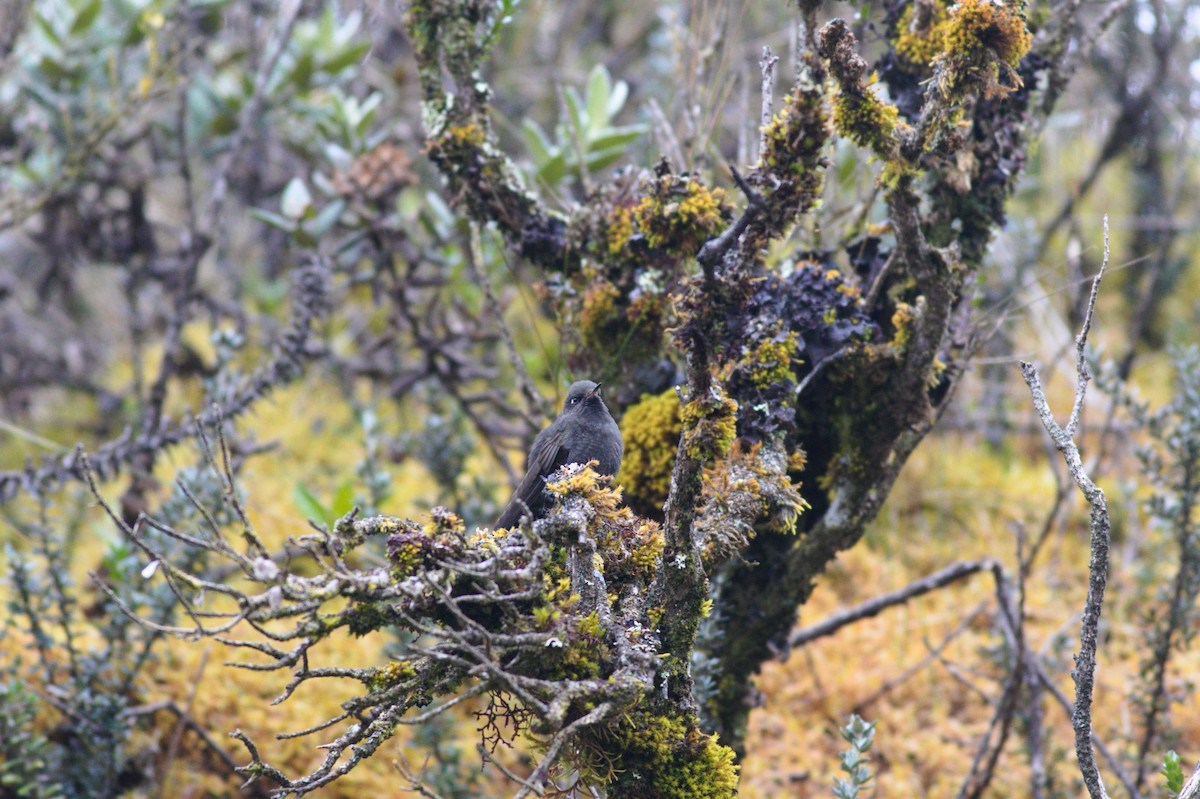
point(873, 607)
point(1085, 662)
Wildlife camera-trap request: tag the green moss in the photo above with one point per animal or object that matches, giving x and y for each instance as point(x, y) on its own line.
point(866, 120)
point(902, 322)
point(978, 26)
point(391, 674)
point(619, 229)
point(771, 361)
point(602, 325)
point(650, 548)
point(710, 426)
point(650, 430)
point(982, 42)
point(651, 754)
point(367, 617)
point(920, 40)
point(796, 135)
point(680, 214)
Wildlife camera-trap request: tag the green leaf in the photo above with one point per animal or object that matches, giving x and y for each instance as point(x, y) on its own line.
point(554, 170)
point(300, 75)
point(579, 123)
point(310, 506)
point(540, 149)
point(599, 91)
point(56, 70)
point(616, 137)
point(274, 220)
point(366, 113)
point(86, 16)
point(296, 199)
point(1172, 770)
point(347, 57)
point(47, 28)
point(343, 500)
point(616, 100)
point(326, 218)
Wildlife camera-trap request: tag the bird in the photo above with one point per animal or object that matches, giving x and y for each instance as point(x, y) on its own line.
point(584, 431)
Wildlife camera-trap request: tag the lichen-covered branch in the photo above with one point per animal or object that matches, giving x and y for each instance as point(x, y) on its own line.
point(554, 624)
point(1063, 438)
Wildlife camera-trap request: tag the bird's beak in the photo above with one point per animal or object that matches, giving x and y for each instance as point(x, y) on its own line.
point(595, 390)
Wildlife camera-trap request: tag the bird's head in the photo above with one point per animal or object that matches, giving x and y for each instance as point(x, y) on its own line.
point(583, 395)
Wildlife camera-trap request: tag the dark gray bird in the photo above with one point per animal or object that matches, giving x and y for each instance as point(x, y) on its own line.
point(584, 431)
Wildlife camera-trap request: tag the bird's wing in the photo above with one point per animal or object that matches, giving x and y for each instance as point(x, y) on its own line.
point(546, 455)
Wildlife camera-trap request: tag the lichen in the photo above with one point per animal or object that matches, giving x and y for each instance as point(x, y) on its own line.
point(748, 491)
point(413, 547)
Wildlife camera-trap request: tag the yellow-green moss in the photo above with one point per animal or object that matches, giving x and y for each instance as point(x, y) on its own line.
point(976, 26)
point(588, 484)
point(601, 323)
point(709, 425)
point(902, 321)
point(656, 755)
point(866, 120)
point(771, 361)
point(646, 555)
point(967, 30)
point(680, 218)
point(650, 429)
point(620, 229)
point(795, 136)
point(919, 45)
point(391, 674)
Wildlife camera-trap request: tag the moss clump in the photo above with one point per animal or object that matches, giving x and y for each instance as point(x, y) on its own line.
point(619, 230)
point(770, 361)
point(602, 325)
point(921, 39)
point(650, 429)
point(866, 120)
point(980, 26)
point(680, 214)
point(796, 135)
point(902, 322)
point(710, 425)
point(591, 486)
point(651, 754)
point(392, 674)
point(746, 493)
point(414, 547)
point(969, 31)
point(982, 42)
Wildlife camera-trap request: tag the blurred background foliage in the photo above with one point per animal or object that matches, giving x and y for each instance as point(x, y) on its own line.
point(169, 167)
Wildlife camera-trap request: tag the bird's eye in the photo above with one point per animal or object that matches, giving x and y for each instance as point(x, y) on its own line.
point(574, 400)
